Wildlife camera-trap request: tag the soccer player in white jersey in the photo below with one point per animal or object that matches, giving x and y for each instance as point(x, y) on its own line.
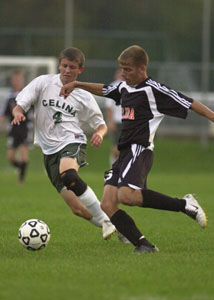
point(58, 132)
point(144, 103)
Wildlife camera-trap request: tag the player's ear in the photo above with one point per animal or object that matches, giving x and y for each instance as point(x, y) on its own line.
point(142, 68)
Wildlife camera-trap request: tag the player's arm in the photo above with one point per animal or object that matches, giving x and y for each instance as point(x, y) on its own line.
point(18, 114)
point(97, 137)
point(202, 110)
point(94, 88)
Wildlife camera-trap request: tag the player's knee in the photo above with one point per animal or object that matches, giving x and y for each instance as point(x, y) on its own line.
point(105, 206)
point(109, 206)
point(73, 182)
point(124, 196)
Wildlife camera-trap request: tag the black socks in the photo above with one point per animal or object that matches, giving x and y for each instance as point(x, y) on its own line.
point(126, 225)
point(16, 164)
point(21, 166)
point(157, 200)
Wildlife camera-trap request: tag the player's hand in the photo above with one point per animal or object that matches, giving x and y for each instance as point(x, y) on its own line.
point(67, 89)
point(96, 139)
point(18, 118)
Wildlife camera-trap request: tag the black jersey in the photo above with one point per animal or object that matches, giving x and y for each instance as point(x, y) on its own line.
point(23, 128)
point(143, 108)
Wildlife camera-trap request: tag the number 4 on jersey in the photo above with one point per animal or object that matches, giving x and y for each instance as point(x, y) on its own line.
point(57, 117)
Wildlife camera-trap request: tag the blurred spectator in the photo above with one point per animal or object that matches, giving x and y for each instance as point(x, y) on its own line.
point(19, 137)
point(113, 120)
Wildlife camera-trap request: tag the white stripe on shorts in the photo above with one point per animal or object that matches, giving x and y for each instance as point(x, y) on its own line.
point(136, 151)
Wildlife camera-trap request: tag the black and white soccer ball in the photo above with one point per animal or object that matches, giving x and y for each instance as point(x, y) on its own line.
point(34, 234)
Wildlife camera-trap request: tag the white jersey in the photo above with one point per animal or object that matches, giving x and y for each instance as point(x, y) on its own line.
point(58, 121)
point(116, 110)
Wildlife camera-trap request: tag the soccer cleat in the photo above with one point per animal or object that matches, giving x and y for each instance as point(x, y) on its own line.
point(194, 210)
point(146, 249)
point(122, 238)
point(108, 229)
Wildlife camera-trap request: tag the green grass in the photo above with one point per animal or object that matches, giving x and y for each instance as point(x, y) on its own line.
point(79, 264)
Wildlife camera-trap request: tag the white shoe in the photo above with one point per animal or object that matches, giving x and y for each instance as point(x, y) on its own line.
point(194, 210)
point(108, 229)
point(122, 238)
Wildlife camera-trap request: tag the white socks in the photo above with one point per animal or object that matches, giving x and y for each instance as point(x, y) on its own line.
point(89, 199)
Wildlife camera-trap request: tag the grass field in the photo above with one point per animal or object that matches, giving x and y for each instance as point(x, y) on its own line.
point(79, 264)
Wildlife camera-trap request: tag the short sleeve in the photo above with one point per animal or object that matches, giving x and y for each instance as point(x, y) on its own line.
point(113, 92)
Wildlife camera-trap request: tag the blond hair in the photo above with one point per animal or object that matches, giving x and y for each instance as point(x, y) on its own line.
point(134, 55)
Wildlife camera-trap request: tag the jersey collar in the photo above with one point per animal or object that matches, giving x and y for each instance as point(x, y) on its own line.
point(142, 83)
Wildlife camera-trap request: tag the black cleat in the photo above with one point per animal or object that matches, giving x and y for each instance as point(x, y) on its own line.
point(145, 249)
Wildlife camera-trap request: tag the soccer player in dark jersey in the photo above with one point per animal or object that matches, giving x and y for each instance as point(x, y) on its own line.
point(144, 103)
point(19, 137)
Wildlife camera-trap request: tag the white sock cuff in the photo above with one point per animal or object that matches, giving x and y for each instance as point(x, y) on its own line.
point(96, 222)
point(88, 197)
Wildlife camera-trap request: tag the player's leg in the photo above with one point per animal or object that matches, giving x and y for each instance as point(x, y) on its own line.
point(76, 206)
point(81, 211)
point(11, 156)
point(13, 143)
point(89, 199)
point(52, 169)
point(68, 170)
point(11, 151)
point(109, 200)
point(132, 191)
point(23, 151)
point(124, 224)
point(86, 196)
point(151, 199)
point(188, 205)
point(110, 206)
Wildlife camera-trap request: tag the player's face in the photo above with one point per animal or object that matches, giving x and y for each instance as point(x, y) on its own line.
point(132, 75)
point(69, 70)
point(17, 82)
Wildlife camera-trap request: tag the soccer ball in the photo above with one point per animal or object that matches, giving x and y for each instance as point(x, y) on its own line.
point(34, 234)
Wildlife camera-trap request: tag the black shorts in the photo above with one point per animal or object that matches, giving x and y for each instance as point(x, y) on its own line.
point(131, 168)
point(14, 141)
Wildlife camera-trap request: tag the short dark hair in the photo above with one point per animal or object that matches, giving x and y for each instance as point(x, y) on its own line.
point(73, 54)
point(134, 55)
point(18, 72)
